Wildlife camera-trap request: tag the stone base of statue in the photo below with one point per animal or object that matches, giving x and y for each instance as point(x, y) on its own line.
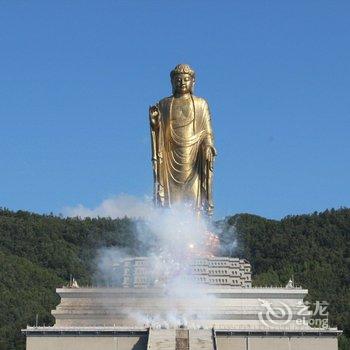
point(222, 317)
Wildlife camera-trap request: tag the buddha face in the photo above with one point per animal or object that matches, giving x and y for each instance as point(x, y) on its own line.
point(182, 83)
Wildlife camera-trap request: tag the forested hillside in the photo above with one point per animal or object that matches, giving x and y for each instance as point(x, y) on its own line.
point(314, 249)
point(40, 252)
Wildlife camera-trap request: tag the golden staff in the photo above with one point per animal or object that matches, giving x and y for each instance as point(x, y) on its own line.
point(154, 145)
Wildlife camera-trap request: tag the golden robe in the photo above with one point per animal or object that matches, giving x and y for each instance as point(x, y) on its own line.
point(182, 174)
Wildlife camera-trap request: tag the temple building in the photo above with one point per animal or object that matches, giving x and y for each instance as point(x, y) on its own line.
point(214, 271)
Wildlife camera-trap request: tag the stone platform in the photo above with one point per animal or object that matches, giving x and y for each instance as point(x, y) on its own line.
point(219, 307)
point(221, 318)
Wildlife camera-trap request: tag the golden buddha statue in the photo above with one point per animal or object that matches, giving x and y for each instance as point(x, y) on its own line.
point(182, 146)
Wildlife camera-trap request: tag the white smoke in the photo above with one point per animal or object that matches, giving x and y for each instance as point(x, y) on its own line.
point(114, 207)
point(108, 260)
point(170, 238)
point(177, 236)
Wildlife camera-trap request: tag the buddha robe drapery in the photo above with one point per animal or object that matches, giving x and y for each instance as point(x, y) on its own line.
point(182, 174)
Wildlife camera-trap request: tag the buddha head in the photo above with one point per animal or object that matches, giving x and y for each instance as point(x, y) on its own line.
point(182, 79)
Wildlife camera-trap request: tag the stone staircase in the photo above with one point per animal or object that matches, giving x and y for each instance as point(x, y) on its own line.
point(161, 339)
point(201, 339)
point(180, 339)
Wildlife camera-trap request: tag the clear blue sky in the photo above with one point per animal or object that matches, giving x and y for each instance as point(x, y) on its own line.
point(77, 77)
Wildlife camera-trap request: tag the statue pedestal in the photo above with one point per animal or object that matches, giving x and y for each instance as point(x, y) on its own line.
point(218, 316)
point(221, 307)
point(133, 319)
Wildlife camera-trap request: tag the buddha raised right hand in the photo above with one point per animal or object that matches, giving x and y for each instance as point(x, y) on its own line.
point(154, 115)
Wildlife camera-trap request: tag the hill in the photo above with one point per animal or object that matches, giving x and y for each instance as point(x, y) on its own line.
point(40, 252)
